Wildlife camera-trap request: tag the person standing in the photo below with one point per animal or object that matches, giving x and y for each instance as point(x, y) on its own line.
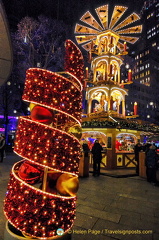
point(2, 147)
point(85, 149)
point(137, 149)
point(85, 168)
point(151, 164)
point(97, 157)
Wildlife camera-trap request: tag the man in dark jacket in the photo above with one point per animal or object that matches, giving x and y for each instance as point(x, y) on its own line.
point(151, 164)
point(97, 157)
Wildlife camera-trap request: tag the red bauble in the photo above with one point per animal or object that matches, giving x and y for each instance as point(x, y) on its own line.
point(30, 173)
point(42, 115)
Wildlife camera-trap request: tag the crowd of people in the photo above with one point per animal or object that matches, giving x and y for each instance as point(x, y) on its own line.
point(151, 159)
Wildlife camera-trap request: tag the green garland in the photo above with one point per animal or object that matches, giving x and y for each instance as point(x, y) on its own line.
point(121, 125)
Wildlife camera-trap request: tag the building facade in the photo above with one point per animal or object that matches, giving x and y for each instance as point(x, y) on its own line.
point(145, 85)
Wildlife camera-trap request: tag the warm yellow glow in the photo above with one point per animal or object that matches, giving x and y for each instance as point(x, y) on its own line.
point(106, 35)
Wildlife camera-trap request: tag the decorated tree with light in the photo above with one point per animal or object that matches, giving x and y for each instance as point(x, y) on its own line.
point(41, 195)
point(40, 43)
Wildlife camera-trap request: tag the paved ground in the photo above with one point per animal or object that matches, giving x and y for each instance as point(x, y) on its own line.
point(108, 208)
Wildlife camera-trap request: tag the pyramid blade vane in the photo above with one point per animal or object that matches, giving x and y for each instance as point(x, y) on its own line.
point(80, 29)
point(90, 20)
point(102, 13)
point(117, 14)
point(130, 19)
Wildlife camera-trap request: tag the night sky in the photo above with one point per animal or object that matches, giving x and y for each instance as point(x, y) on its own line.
point(69, 11)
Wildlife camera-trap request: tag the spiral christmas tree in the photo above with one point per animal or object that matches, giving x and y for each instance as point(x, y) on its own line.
point(49, 150)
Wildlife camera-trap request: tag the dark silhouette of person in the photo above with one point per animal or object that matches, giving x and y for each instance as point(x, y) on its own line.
point(137, 149)
point(151, 164)
point(85, 149)
point(2, 147)
point(97, 157)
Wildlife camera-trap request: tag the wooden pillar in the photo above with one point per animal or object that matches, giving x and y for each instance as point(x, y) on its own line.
point(89, 105)
point(94, 75)
point(118, 105)
point(119, 75)
point(111, 156)
point(142, 167)
point(123, 108)
point(105, 72)
point(111, 103)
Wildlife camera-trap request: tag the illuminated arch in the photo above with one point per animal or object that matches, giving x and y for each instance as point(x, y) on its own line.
point(98, 101)
point(127, 137)
point(91, 91)
point(90, 136)
point(101, 70)
point(115, 62)
point(100, 91)
point(118, 94)
point(123, 91)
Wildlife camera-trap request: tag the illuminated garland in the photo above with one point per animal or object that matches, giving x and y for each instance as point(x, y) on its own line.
point(46, 145)
point(55, 92)
point(121, 124)
point(44, 142)
point(35, 212)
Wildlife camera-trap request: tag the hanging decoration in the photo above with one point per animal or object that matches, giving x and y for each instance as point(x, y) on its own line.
point(41, 195)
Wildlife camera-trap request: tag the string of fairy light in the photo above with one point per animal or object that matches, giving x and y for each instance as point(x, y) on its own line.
point(47, 144)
